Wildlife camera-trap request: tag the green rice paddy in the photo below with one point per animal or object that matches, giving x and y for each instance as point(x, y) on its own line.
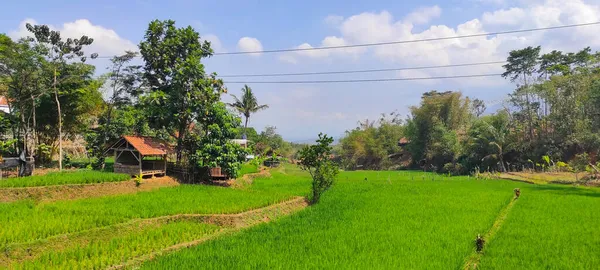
point(368, 220)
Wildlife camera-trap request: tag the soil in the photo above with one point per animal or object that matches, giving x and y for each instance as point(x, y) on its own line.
point(72, 192)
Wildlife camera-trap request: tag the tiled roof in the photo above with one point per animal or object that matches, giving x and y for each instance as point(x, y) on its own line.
point(3, 101)
point(403, 140)
point(148, 146)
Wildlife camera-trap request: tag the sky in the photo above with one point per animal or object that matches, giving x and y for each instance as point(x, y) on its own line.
point(301, 111)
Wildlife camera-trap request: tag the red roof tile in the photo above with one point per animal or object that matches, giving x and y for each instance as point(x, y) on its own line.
point(148, 146)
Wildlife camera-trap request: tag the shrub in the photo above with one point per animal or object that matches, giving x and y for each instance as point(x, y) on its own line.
point(315, 160)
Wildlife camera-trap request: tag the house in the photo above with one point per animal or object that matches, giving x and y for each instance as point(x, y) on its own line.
point(4, 105)
point(138, 155)
point(403, 142)
point(241, 142)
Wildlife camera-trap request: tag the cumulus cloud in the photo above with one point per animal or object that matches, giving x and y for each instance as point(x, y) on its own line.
point(371, 27)
point(250, 44)
point(106, 41)
point(215, 42)
point(512, 16)
point(423, 15)
point(334, 20)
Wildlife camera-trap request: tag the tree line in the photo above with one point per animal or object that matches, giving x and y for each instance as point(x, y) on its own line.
point(552, 117)
point(54, 97)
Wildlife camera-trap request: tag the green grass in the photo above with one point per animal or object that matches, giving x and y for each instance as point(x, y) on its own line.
point(63, 178)
point(248, 168)
point(376, 223)
point(550, 227)
point(117, 247)
point(25, 221)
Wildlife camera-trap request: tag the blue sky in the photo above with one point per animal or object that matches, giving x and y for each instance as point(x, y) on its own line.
point(301, 111)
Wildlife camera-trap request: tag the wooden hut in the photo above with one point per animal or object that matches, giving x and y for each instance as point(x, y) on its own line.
point(137, 155)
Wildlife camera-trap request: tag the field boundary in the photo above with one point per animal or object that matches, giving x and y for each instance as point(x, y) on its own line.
point(80, 191)
point(228, 223)
point(472, 261)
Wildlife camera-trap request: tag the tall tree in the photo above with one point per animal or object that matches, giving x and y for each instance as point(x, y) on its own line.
point(247, 105)
point(521, 65)
point(59, 52)
point(179, 89)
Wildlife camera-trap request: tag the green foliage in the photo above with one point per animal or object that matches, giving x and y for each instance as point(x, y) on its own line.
point(215, 148)
point(316, 160)
point(433, 128)
point(372, 146)
point(179, 90)
point(247, 105)
point(63, 178)
point(138, 180)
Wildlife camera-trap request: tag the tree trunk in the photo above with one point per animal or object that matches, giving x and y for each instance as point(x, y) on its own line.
point(34, 127)
point(60, 150)
point(246, 127)
point(528, 107)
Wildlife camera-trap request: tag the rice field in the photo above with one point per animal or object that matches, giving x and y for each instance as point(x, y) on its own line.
point(63, 178)
point(551, 227)
point(368, 220)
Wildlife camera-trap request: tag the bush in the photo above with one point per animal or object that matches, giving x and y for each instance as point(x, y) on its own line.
point(315, 160)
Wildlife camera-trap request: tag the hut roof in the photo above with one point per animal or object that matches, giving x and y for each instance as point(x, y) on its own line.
point(403, 141)
point(148, 146)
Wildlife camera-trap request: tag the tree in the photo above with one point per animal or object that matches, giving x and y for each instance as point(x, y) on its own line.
point(21, 74)
point(316, 160)
point(522, 64)
point(125, 84)
point(59, 52)
point(247, 105)
point(179, 89)
point(436, 127)
point(215, 148)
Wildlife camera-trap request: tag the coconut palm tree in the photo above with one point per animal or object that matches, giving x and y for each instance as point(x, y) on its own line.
point(246, 105)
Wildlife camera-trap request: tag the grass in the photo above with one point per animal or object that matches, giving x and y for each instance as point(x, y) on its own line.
point(63, 178)
point(371, 220)
point(25, 221)
point(551, 227)
point(368, 220)
point(248, 168)
point(116, 247)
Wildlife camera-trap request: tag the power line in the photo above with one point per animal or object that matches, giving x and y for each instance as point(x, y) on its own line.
point(360, 71)
point(402, 41)
point(364, 80)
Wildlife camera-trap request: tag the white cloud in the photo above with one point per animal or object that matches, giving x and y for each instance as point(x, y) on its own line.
point(423, 15)
point(512, 16)
point(379, 27)
point(106, 41)
point(250, 44)
point(215, 42)
point(334, 20)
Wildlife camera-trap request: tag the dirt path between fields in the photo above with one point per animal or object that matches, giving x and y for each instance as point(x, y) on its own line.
point(472, 262)
point(79, 191)
point(229, 223)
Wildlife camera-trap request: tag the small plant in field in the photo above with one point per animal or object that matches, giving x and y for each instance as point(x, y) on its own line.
point(315, 159)
point(138, 180)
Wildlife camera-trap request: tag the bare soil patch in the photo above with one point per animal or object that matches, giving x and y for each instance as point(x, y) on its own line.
point(72, 192)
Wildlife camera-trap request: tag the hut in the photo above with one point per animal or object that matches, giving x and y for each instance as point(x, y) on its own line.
point(137, 155)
